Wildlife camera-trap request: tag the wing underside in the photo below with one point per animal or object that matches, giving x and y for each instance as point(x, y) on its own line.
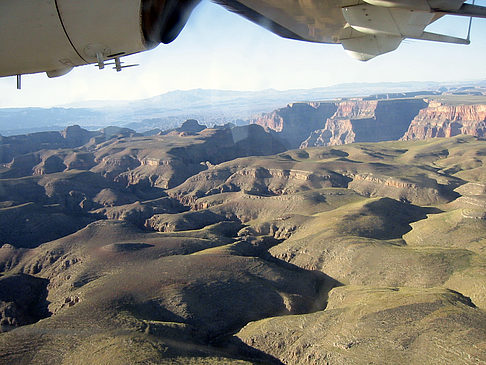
point(365, 28)
point(305, 20)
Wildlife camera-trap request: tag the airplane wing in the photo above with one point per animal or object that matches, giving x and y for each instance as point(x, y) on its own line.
point(312, 21)
point(55, 36)
point(307, 20)
point(365, 28)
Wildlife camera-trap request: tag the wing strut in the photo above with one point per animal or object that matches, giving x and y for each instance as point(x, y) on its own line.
point(469, 28)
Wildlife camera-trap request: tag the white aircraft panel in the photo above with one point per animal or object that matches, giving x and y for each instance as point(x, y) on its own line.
point(32, 38)
point(400, 22)
point(109, 26)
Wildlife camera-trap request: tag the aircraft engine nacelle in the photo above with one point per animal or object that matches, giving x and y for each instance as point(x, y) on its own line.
point(54, 36)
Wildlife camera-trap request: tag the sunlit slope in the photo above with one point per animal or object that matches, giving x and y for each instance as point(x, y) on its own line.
point(363, 325)
point(418, 222)
point(357, 254)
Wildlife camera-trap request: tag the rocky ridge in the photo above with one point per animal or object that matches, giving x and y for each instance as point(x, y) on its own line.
point(109, 176)
point(71, 137)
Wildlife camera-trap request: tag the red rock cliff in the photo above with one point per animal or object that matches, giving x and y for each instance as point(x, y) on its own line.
point(442, 120)
point(348, 121)
point(335, 123)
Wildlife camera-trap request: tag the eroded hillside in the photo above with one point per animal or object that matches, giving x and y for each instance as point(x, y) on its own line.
point(190, 248)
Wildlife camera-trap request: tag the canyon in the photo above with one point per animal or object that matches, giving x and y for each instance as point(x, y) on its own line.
point(221, 246)
point(304, 237)
point(440, 119)
point(338, 122)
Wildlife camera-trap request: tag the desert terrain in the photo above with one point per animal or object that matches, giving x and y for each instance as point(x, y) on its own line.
point(221, 246)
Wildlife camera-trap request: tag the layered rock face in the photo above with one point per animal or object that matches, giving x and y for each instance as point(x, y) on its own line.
point(442, 120)
point(358, 120)
point(341, 122)
point(296, 121)
point(366, 121)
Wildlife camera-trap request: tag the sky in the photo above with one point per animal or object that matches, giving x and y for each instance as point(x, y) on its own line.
point(221, 50)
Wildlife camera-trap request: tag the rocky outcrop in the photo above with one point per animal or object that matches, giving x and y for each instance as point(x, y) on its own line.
point(183, 221)
point(296, 121)
point(472, 201)
point(76, 135)
point(340, 122)
point(137, 213)
point(373, 120)
point(424, 191)
point(443, 120)
point(117, 132)
point(189, 128)
point(366, 121)
point(49, 165)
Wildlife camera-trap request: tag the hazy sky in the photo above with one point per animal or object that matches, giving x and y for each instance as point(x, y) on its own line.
point(221, 50)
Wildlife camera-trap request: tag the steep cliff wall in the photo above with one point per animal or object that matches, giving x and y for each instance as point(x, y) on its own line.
point(366, 121)
point(359, 120)
point(443, 120)
point(341, 122)
point(296, 121)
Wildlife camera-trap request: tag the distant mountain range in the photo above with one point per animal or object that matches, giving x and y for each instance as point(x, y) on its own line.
point(212, 107)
